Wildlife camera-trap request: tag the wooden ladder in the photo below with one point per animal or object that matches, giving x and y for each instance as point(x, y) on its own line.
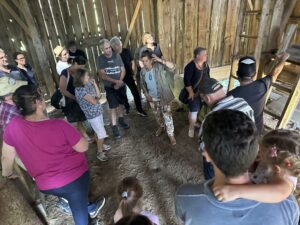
point(294, 90)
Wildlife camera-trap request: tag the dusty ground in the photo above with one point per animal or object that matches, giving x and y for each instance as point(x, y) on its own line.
point(160, 168)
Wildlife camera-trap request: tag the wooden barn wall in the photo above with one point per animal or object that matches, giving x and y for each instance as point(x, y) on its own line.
point(178, 25)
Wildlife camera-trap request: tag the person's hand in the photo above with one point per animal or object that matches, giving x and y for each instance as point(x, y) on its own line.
point(225, 193)
point(93, 81)
point(191, 96)
point(156, 59)
point(149, 98)
point(283, 56)
point(119, 83)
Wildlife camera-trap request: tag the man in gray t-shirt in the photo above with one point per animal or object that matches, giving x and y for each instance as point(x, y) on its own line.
point(231, 146)
point(111, 70)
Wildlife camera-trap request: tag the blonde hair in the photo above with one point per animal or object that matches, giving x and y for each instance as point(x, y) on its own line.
point(130, 194)
point(145, 37)
point(282, 147)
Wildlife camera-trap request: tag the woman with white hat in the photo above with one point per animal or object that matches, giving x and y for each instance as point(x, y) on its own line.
point(62, 54)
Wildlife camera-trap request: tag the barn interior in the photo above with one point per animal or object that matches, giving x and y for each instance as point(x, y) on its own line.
point(228, 29)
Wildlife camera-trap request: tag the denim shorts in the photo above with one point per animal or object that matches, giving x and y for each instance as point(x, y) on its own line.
point(195, 104)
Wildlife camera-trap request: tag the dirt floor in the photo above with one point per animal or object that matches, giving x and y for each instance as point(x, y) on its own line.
point(160, 168)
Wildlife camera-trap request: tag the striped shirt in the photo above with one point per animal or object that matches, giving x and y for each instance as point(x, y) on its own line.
point(232, 103)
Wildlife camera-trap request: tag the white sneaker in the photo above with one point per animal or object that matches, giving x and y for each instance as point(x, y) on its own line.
point(191, 133)
point(106, 147)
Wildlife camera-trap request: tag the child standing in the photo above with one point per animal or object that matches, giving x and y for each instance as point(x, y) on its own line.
point(87, 95)
point(130, 193)
point(277, 173)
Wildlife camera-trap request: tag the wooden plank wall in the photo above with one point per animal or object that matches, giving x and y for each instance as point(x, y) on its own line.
point(178, 25)
point(191, 23)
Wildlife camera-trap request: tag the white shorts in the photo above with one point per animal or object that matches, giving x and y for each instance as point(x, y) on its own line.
point(98, 126)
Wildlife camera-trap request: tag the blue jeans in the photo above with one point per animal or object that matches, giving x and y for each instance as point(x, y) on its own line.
point(77, 195)
point(208, 170)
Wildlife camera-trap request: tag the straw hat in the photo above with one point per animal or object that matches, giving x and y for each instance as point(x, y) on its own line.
point(58, 49)
point(8, 85)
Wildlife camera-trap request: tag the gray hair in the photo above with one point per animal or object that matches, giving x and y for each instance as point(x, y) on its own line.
point(1, 50)
point(102, 42)
point(198, 50)
point(115, 40)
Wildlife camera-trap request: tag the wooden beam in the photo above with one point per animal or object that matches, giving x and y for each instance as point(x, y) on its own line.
point(43, 59)
point(276, 24)
point(283, 47)
point(135, 14)
point(288, 10)
point(236, 49)
point(262, 28)
point(250, 5)
point(15, 16)
point(290, 105)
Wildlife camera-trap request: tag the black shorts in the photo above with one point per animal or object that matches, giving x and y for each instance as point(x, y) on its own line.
point(115, 97)
point(195, 105)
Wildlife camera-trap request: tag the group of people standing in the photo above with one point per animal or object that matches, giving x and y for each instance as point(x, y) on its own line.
point(53, 151)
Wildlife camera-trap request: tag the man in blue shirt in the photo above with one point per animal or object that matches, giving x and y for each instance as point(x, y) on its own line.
point(231, 145)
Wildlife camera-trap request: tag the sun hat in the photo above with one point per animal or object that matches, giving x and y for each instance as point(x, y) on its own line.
point(58, 50)
point(8, 85)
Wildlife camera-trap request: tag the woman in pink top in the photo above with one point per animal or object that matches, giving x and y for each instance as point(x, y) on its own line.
point(52, 152)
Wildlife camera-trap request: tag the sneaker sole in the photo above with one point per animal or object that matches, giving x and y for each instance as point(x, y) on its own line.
point(96, 214)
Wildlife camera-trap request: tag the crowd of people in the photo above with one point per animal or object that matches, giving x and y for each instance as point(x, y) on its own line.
point(245, 170)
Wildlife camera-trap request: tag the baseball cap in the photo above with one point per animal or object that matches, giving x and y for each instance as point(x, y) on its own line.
point(246, 67)
point(8, 85)
point(210, 86)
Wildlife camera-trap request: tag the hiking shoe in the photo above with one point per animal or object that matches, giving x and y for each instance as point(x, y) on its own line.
point(172, 140)
point(142, 113)
point(159, 131)
point(191, 132)
point(102, 156)
point(63, 205)
point(116, 132)
point(122, 123)
point(95, 207)
point(106, 147)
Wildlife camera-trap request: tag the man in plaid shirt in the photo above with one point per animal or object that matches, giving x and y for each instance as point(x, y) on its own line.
point(7, 108)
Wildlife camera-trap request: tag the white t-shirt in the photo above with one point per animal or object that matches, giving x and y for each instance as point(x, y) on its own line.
point(60, 66)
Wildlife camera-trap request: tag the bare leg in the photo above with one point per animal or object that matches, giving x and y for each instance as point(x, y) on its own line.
point(192, 122)
point(114, 116)
point(120, 111)
point(99, 144)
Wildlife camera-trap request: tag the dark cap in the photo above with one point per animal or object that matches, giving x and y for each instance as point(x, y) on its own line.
point(210, 86)
point(246, 67)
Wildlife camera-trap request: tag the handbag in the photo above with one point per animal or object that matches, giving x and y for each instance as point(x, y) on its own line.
point(58, 101)
point(184, 94)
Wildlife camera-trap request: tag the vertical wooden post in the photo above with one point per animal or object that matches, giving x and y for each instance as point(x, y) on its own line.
point(135, 14)
point(236, 48)
point(43, 59)
point(261, 32)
